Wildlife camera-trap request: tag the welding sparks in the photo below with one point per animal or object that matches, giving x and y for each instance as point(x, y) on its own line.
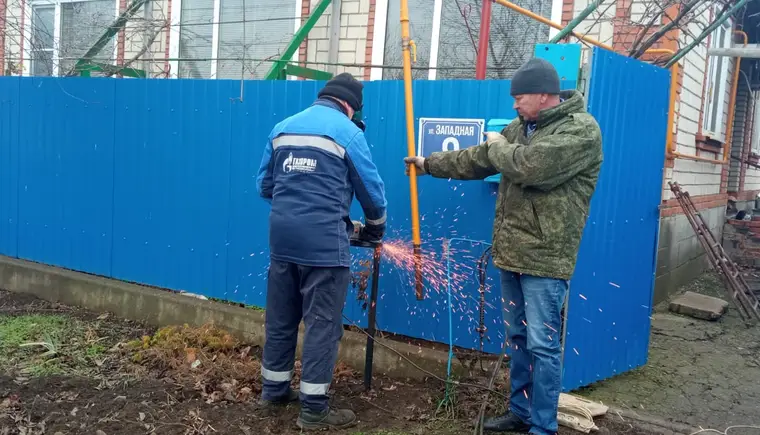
point(549, 326)
point(614, 285)
point(583, 297)
point(437, 273)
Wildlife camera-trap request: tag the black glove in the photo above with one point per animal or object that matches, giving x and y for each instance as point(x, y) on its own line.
point(372, 233)
point(359, 123)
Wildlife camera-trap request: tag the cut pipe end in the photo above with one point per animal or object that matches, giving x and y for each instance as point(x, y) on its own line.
point(418, 287)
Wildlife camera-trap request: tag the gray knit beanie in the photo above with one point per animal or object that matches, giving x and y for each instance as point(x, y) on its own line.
point(537, 76)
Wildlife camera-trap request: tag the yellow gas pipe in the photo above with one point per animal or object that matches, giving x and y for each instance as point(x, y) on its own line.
point(406, 44)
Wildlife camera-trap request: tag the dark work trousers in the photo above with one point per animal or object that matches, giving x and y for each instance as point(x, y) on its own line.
point(317, 295)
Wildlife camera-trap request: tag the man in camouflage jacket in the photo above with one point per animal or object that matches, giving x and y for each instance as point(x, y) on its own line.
point(549, 160)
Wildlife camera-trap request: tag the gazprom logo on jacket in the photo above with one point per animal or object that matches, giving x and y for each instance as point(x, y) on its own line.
point(299, 164)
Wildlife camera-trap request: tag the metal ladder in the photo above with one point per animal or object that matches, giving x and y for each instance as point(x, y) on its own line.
point(745, 301)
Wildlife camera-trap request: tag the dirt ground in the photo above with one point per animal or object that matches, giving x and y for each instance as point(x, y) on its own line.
point(705, 374)
point(68, 371)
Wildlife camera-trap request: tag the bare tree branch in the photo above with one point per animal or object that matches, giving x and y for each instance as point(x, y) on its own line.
point(685, 9)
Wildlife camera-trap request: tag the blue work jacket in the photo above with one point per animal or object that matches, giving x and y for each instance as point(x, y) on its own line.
point(314, 163)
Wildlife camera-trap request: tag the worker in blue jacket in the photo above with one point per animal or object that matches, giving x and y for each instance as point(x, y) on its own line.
point(313, 165)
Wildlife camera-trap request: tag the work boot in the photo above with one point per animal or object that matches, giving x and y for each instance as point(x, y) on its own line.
point(291, 397)
point(506, 423)
point(329, 419)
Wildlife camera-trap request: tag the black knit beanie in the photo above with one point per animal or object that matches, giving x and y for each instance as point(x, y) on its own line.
point(344, 87)
point(537, 76)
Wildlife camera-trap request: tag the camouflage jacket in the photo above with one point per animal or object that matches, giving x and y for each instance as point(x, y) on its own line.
point(545, 190)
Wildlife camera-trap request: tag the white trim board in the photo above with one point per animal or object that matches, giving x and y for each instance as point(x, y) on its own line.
point(174, 35)
point(435, 39)
point(556, 16)
point(378, 38)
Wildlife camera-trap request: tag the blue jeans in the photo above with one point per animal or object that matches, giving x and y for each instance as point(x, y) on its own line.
point(532, 314)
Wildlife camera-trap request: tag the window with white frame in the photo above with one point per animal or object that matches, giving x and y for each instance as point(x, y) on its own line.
point(230, 39)
point(446, 35)
point(717, 85)
point(43, 25)
point(62, 31)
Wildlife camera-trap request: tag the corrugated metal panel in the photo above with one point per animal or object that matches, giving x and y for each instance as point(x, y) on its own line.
point(160, 176)
point(611, 291)
point(65, 173)
point(9, 131)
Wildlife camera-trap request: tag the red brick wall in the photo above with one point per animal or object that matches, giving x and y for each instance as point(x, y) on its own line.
point(625, 33)
point(122, 38)
point(723, 177)
point(749, 195)
point(302, 50)
point(21, 43)
point(370, 40)
point(167, 65)
point(702, 202)
point(567, 11)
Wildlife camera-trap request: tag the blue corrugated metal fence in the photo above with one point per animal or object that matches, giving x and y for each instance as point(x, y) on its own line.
point(153, 181)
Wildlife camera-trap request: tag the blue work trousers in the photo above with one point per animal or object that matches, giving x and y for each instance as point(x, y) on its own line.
point(533, 318)
point(316, 295)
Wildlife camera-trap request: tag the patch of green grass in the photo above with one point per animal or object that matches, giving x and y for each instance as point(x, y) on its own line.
point(32, 343)
point(43, 367)
point(95, 350)
point(18, 330)
point(43, 345)
point(237, 304)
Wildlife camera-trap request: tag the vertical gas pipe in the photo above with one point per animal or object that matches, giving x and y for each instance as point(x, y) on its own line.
point(407, 57)
point(481, 63)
